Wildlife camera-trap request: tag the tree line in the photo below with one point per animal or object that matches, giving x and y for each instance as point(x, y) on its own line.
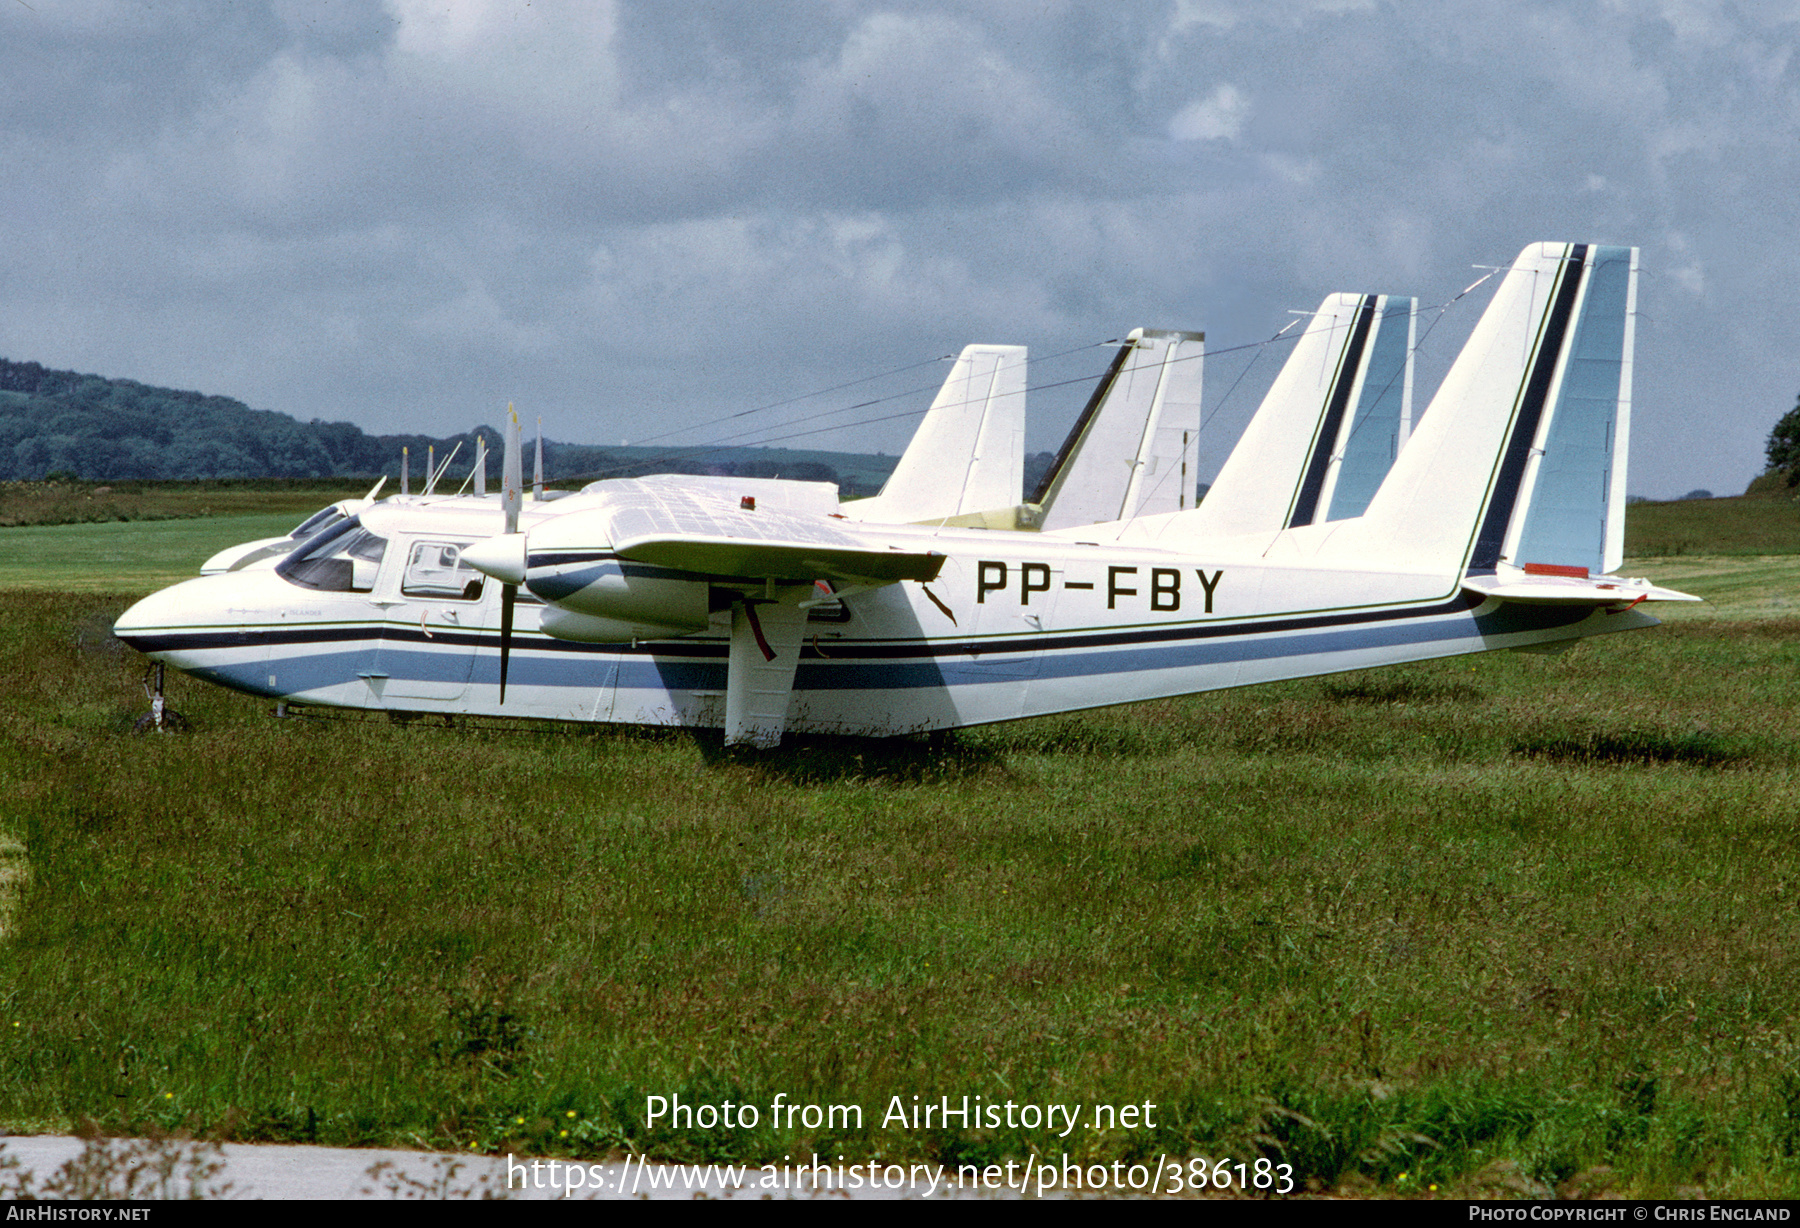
point(96, 429)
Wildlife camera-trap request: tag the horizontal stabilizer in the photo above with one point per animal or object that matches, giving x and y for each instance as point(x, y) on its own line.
point(1527, 589)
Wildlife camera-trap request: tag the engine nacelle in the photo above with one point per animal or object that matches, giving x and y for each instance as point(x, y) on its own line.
point(614, 589)
point(565, 624)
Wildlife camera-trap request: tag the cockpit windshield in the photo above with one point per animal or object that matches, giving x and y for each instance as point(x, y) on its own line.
point(343, 559)
point(318, 522)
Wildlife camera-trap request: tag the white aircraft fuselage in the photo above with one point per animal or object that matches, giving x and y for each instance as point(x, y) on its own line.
point(1043, 623)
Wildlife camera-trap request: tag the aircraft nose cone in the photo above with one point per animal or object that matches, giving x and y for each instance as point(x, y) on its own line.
point(153, 624)
point(501, 557)
point(138, 625)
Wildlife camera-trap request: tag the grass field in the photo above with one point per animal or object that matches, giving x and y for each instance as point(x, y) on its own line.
point(1506, 925)
point(137, 558)
point(60, 503)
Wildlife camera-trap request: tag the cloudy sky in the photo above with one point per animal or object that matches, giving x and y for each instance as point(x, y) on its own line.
point(637, 218)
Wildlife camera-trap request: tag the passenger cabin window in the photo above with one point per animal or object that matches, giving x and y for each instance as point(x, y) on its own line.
point(435, 571)
point(340, 560)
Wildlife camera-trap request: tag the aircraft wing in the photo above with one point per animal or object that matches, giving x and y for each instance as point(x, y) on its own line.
point(778, 551)
point(690, 530)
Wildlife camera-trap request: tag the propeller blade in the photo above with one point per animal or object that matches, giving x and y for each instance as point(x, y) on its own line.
point(509, 593)
point(512, 497)
point(512, 500)
point(537, 467)
point(438, 474)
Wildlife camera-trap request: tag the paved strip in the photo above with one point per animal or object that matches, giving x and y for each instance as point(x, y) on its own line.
point(65, 1167)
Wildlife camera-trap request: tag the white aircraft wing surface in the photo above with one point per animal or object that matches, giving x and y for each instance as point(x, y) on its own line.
point(703, 532)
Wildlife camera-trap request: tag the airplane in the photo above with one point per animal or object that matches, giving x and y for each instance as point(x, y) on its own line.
point(268, 550)
point(760, 607)
point(968, 454)
point(1133, 450)
point(988, 428)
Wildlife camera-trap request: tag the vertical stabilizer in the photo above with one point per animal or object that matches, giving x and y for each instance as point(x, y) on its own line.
point(1520, 461)
point(1134, 451)
point(1329, 428)
point(1379, 417)
point(968, 455)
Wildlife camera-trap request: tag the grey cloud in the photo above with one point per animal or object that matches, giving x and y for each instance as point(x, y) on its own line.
point(643, 215)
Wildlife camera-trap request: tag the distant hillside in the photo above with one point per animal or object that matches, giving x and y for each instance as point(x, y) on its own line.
point(98, 429)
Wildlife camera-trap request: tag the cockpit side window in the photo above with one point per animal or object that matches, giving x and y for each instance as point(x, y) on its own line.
point(318, 522)
point(340, 560)
point(435, 571)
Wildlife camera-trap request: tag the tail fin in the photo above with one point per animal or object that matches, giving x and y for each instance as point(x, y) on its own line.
point(1135, 449)
point(968, 455)
point(1520, 461)
point(1330, 427)
point(1375, 429)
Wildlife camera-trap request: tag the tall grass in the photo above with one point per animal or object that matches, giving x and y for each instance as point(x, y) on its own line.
point(1500, 924)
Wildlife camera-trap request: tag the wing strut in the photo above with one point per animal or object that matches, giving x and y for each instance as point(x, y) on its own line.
point(765, 649)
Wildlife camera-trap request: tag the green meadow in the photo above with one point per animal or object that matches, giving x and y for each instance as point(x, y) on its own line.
point(1497, 926)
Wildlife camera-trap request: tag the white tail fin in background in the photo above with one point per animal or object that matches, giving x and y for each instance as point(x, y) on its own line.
point(968, 455)
point(1378, 417)
point(1332, 424)
point(1134, 451)
point(1520, 461)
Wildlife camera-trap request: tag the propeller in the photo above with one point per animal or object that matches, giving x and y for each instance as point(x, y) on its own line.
point(537, 467)
point(436, 475)
point(512, 500)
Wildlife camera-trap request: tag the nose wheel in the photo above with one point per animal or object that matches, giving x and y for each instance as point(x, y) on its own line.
point(161, 718)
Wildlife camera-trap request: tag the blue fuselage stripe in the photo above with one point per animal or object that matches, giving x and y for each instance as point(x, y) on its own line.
point(848, 665)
